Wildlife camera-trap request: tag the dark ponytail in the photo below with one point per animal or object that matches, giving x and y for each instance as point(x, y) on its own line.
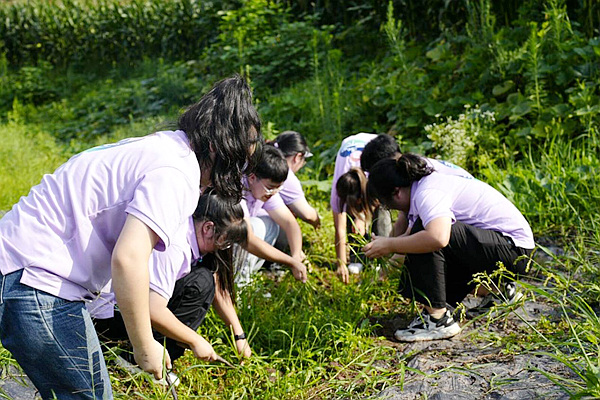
point(387, 175)
point(291, 143)
point(225, 122)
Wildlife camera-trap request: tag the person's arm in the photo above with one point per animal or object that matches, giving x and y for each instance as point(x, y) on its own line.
point(262, 249)
point(301, 209)
point(286, 220)
point(165, 322)
point(130, 277)
point(339, 223)
point(226, 310)
point(435, 236)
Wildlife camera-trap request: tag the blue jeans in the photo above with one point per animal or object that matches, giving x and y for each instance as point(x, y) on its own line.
point(53, 340)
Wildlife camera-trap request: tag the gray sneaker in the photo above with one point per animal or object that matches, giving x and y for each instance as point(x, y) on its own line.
point(425, 327)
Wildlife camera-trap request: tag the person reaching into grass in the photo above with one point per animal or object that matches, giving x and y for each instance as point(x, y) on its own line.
point(296, 152)
point(352, 209)
point(261, 193)
point(353, 197)
point(185, 279)
point(99, 216)
point(458, 226)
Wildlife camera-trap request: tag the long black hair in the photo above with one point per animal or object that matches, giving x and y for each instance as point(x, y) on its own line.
point(389, 174)
point(352, 190)
point(225, 122)
point(228, 219)
point(291, 143)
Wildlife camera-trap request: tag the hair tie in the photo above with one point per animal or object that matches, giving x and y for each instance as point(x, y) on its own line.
point(276, 145)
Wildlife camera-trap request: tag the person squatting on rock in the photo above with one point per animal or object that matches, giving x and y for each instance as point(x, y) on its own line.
point(458, 226)
point(99, 216)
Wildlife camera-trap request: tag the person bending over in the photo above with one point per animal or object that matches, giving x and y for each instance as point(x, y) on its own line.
point(180, 295)
point(458, 226)
point(262, 194)
point(99, 216)
point(296, 152)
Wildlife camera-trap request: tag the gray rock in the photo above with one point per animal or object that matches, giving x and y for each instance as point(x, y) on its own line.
point(16, 386)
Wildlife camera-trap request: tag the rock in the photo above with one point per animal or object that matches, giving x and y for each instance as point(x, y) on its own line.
point(17, 385)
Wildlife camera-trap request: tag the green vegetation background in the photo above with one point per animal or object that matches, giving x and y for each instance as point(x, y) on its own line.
point(508, 89)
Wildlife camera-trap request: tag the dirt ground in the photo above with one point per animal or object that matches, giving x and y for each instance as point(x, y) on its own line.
point(468, 367)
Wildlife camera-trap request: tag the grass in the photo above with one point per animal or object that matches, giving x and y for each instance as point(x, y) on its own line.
point(320, 340)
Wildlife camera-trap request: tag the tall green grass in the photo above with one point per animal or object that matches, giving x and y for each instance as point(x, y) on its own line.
point(27, 153)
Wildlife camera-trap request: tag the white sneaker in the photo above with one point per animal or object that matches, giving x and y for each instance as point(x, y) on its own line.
point(134, 370)
point(425, 327)
point(355, 268)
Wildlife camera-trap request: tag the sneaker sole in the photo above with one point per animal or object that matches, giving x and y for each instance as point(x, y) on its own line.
point(446, 333)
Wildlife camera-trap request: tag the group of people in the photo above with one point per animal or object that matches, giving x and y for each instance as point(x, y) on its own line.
point(136, 240)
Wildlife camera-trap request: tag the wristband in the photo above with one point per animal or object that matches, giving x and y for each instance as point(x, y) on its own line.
point(241, 336)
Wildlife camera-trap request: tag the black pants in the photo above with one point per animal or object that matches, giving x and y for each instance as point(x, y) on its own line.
point(192, 297)
point(444, 276)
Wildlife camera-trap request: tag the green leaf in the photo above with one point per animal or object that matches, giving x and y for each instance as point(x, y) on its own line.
point(437, 53)
point(502, 88)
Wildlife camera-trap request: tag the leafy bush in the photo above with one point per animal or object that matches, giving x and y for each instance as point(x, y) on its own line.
point(457, 140)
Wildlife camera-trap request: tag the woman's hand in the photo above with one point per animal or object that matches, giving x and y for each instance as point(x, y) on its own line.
point(378, 247)
point(342, 272)
point(150, 359)
point(203, 350)
point(243, 348)
point(299, 270)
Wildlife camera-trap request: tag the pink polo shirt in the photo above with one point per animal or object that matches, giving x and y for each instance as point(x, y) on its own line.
point(63, 233)
point(348, 157)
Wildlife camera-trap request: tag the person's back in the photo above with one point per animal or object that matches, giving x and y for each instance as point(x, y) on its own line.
point(93, 194)
point(470, 201)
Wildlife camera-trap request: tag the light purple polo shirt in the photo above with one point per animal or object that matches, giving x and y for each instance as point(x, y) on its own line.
point(469, 201)
point(348, 157)
point(447, 168)
point(166, 267)
point(63, 233)
point(252, 206)
point(291, 189)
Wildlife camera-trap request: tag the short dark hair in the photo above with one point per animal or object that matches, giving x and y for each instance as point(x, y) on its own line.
point(225, 122)
point(272, 166)
point(290, 143)
point(228, 219)
point(382, 147)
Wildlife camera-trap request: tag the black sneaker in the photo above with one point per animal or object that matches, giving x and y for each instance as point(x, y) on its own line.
point(510, 295)
point(425, 327)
